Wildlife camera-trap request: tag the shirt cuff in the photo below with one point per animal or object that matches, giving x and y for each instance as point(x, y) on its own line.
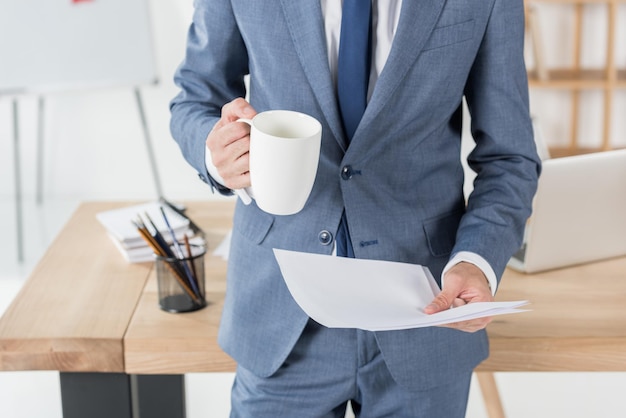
point(210, 167)
point(478, 261)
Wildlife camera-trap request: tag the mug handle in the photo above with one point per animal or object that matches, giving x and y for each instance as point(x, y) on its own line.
point(244, 194)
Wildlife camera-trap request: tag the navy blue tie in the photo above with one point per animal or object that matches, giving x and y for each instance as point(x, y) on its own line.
point(353, 66)
point(353, 69)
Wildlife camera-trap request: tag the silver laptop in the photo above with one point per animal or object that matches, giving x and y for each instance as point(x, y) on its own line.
point(579, 213)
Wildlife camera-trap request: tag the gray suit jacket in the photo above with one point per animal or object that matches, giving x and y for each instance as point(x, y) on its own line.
point(402, 183)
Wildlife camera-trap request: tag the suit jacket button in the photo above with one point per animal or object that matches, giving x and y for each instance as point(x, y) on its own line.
point(346, 172)
point(325, 237)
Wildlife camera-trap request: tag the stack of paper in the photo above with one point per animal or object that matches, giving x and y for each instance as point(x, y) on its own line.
point(119, 225)
point(373, 295)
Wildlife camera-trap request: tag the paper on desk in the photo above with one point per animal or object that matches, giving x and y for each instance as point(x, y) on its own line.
point(373, 295)
point(223, 248)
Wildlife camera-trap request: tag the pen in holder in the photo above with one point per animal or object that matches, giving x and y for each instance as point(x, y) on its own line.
point(181, 280)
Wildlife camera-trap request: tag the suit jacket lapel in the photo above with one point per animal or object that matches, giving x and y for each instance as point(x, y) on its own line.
point(306, 26)
point(417, 21)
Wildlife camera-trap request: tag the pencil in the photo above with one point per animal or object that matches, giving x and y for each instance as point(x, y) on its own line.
point(191, 262)
point(180, 254)
point(159, 238)
point(145, 234)
point(167, 252)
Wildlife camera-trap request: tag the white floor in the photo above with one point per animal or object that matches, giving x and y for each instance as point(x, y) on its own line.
point(36, 394)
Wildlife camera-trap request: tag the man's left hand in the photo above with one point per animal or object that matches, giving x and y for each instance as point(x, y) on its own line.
point(464, 283)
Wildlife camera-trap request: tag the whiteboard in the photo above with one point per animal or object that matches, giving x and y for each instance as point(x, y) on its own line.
point(48, 45)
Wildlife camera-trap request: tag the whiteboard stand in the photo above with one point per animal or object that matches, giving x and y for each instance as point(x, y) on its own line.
point(40, 130)
point(18, 183)
point(148, 139)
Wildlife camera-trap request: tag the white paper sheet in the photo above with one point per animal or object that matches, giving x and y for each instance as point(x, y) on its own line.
point(223, 248)
point(373, 295)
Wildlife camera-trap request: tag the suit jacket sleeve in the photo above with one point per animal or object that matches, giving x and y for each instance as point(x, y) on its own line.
point(504, 157)
point(211, 75)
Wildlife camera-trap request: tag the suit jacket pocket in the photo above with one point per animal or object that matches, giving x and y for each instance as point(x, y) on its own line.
point(441, 233)
point(450, 34)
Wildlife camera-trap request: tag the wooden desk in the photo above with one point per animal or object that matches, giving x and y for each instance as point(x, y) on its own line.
point(577, 322)
point(72, 313)
point(85, 311)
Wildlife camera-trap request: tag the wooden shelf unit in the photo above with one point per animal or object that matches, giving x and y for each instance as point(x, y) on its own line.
point(607, 79)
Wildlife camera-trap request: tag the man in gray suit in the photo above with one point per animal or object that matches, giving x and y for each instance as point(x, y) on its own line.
point(393, 185)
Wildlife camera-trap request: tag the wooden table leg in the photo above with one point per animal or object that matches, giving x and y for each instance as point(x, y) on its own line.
point(491, 396)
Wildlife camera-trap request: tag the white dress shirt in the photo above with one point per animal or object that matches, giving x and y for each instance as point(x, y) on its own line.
point(385, 17)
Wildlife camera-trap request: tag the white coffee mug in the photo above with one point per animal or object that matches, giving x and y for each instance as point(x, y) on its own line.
point(284, 154)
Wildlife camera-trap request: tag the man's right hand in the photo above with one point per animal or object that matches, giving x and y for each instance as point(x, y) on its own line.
point(229, 143)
